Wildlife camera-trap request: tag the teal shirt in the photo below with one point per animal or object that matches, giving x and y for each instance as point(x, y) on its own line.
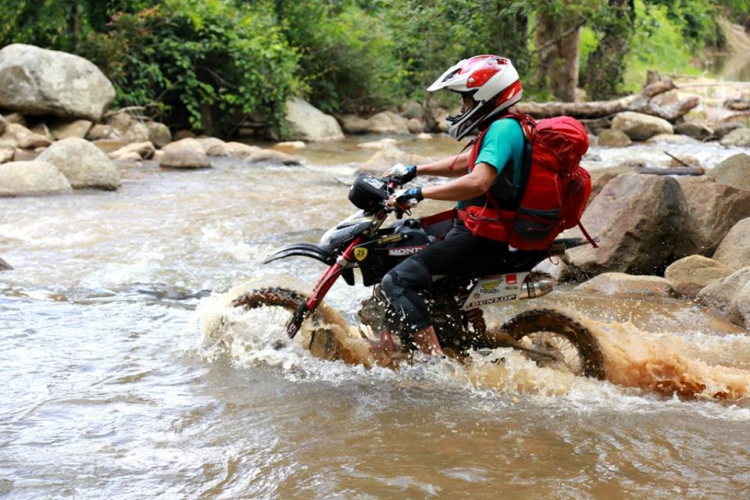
point(503, 147)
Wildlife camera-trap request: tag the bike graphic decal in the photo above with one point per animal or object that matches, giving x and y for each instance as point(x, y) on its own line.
point(360, 254)
point(404, 251)
point(495, 288)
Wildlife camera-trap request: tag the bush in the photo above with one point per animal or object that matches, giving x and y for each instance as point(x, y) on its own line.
point(197, 58)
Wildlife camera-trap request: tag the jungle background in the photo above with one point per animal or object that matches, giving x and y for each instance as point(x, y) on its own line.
point(206, 62)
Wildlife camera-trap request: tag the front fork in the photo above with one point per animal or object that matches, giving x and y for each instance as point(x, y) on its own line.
point(321, 289)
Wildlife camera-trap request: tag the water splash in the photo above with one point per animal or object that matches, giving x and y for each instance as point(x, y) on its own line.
point(633, 358)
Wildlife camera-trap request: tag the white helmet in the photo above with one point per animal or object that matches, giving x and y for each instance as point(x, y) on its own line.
point(490, 81)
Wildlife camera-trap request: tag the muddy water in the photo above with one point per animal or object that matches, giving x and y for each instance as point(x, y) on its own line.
point(117, 381)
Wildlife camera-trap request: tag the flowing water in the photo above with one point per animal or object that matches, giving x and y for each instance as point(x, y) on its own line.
point(125, 374)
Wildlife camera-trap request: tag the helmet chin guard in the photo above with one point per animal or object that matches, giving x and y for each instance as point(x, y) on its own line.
point(493, 85)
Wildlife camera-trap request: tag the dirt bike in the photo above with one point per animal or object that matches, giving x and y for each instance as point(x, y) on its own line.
point(360, 241)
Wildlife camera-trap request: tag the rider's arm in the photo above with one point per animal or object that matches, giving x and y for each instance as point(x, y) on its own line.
point(453, 166)
point(466, 187)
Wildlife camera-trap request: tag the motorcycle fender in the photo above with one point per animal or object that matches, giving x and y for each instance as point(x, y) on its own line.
point(302, 250)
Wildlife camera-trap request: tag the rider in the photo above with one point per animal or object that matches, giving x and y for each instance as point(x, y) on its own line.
point(489, 86)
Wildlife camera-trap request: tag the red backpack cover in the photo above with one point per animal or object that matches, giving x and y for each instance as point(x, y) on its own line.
point(557, 190)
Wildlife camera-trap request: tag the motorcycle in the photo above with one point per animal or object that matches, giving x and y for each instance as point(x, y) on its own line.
point(361, 241)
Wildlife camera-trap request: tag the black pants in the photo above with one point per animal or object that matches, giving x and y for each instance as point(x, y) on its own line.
point(458, 253)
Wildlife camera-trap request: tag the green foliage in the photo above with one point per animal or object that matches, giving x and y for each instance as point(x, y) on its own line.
point(347, 55)
point(200, 55)
point(660, 44)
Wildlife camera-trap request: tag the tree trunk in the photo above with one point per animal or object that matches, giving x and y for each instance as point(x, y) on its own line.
point(558, 37)
point(606, 65)
point(640, 102)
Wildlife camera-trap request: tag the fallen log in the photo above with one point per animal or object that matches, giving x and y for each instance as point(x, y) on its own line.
point(670, 171)
point(641, 102)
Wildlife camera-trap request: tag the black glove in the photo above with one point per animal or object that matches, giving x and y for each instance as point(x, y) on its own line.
point(402, 173)
point(405, 196)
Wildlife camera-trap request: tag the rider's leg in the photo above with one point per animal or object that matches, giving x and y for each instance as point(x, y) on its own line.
point(458, 253)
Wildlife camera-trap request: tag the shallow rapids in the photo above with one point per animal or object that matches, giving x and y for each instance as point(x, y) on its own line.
point(126, 373)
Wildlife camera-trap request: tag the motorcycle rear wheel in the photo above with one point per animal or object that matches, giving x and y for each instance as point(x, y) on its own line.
point(568, 344)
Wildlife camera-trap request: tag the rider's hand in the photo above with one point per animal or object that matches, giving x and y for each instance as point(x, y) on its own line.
point(402, 173)
point(406, 197)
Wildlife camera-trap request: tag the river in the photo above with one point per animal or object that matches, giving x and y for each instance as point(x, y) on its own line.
point(113, 384)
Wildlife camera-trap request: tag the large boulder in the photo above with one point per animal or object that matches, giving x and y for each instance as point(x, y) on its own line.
point(690, 275)
point(739, 309)
point(184, 156)
point(720, 295)
point(626, 284)
point(32, 178)
point(234, 150)
point(25, 138)
point(388, 122)
point(640, 220)
point(67, 129)
point(209, 142)
point(612, 138)
point(713, 209)
point(353, 124)
point(639, 126)
point(739, 138)
point(271, 156)
point(39, 81)
point(734, 249)
point(308, 123)
point(724, 128)
point(85, 165)
point(734, 171)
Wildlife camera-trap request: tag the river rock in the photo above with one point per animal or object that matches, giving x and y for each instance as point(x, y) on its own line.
point(32, 178)
point(25, 155)
point(387, 142)
point(690, 275)
point(143, 151)
point(435, 120)
point(39, 81)
point(183, 134)
point(415, 126)
point(25, 138)
point(734, 171)
point(7, 154)
point(353, 124)
point(110, 145)
point(4, 266)
point(101, 132)
point(84, 165)
point(713, 209)
point(696, 130)
point(640, 220)
point(627, 284)
point(187, 143)
point(128, 128)
point(389, 156)
point(42, 129)
point(724, 128)
point(308, 123)
point(739, 309)
point(207, 143)
point(411, 109)
point(670, 139)
point(290, 145)
point(271, 156)
point(387, 122)
point(183, 154)
point(3, 125)
point(158, 134)
point(239, 150)
point(720, 294)
point(734, 249)
point(423, 137)
point(639, 126)
point(612, 138)
point(67, 129)
point(739, 138)
point(15, 118)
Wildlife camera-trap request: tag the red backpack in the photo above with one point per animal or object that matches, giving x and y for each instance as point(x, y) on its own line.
point(557, 190)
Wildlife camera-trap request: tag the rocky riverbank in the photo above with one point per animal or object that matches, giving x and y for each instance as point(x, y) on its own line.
point(671, 234)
